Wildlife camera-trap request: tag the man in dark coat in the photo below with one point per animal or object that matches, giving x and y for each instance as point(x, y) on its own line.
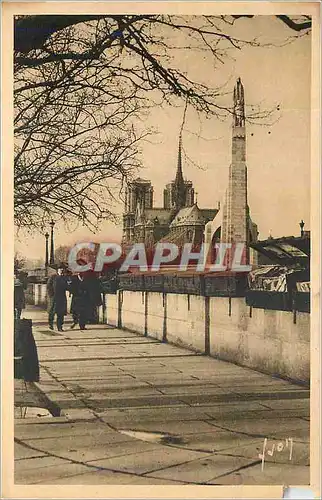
point(19, 296)
point(80, 307)
point(56, 298)
point(95, 296)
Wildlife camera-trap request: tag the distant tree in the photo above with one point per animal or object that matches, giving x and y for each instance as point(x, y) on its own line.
point(39, 262)
point(61, 253)
point(19, 261)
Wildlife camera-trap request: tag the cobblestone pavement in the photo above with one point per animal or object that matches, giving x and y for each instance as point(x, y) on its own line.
point(138, 411)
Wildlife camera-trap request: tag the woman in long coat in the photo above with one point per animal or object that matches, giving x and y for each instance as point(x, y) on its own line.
point(81, 305)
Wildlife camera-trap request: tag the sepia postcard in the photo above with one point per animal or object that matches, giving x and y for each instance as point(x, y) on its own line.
point(161, 257)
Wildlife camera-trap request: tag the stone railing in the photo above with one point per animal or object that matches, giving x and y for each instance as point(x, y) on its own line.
point(215, 285)
point(229, 285)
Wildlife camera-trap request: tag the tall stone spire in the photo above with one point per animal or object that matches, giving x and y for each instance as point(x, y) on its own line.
point(235, 214)
point(179, 174)
point(239, 105)
point(179, 184)
point(178, 193)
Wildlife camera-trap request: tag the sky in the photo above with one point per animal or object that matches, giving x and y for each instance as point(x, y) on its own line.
point(278, 156)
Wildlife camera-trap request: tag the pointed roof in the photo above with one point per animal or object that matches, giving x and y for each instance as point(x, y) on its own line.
point(179, 184)
point(188, 216)
point(179, 175)
point(163, 214)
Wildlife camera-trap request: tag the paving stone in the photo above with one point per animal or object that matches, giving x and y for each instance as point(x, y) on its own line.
point(193, 385)
point(77, 378)
point(237, 412)
point(135, 402)
point(48, 474)
point(37, 463)
point(112, 478)
point(84, 364)
point(123, 449)
point(113, 387)
point(193, 389)
point(18, 423)
point(202, 470)
point(222, 442)
point(85, 354)
point(287, 404)
point(91, 448)
point(57, 430)
point(158, 371)
point(283, 428)
point(111, 384)
point(98, 334)
point(217, 395)
point(72, 403)
point(272, 474)
point(79, 414)
point(226, 408)
point(22, 453)
point(269, 388)
point(65, 442)
point(77, 375)
point(160, 379)
point(158, 414)
point(149, 461)
point(130, 392)
point(60, 395)
point(50, 385)
point(177, 428)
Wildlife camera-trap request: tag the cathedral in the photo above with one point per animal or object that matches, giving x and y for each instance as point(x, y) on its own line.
point(180, 220)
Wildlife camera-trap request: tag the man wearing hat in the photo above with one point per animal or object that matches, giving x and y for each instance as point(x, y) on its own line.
point(57, 286)
point(19, 295)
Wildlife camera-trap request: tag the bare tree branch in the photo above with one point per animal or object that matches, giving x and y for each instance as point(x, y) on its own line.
point(296, 26)
point(83, 85)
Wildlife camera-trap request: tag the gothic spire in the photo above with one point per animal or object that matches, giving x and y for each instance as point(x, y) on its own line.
point(179, 185)
point(179, 174)
point(239, 105)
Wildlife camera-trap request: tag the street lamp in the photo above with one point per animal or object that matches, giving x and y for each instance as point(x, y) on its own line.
point(47, 253)
point(52, 250)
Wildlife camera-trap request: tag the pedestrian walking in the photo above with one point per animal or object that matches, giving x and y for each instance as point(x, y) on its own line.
point(95, 296)
point(80, 307)
point(19, 296)
point(57, 287)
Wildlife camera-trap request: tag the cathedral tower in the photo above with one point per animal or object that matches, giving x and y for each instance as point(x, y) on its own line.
point(138, 198)
point(235, 214)
point(178, 193)
point(179, 187)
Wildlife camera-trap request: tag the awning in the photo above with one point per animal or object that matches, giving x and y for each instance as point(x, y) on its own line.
point(286, 251)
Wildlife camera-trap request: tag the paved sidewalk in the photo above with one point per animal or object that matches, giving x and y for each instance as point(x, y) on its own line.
point(137, 411)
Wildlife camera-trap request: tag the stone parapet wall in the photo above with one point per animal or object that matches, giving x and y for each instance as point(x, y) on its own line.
point(271, 341)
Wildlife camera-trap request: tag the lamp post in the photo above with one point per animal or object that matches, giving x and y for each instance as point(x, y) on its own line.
point(47, 253)
point(302, 224)
point(52, 250)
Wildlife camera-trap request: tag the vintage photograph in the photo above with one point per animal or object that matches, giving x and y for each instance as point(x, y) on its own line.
point(162, 247)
